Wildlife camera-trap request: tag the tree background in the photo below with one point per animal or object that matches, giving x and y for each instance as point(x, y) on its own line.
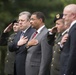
point(9, 10)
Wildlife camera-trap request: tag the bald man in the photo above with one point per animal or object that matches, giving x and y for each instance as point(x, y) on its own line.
point(68, 54)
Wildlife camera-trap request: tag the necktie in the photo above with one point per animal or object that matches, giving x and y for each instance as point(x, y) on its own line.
point(22, 34)
point(34, 35)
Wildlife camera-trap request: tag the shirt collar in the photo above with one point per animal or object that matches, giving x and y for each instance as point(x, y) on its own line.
point(40, 28)
point(67, 30)
point(25, 30)
point(72, 23)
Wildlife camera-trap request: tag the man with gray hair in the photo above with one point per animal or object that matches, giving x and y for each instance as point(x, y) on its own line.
point(68, 54)
point(18, 45)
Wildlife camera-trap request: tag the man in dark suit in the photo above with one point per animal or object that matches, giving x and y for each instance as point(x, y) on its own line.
point(55, 65)
point(4, 39)
point(68, 54)
point(18, 45)
point(39, 56)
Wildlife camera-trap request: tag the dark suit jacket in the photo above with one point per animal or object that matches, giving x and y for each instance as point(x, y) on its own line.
point(68, 54)
point(39, 57)
point(20, 51)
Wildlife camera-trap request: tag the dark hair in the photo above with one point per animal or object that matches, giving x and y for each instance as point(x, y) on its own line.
point(14, 21)
point(39, 15)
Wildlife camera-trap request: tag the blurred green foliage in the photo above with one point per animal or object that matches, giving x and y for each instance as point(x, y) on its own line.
point(9, 10)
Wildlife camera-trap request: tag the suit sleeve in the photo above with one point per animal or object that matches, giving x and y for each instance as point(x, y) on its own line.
point(46, 51)
point(50, 38)
point(12, 45)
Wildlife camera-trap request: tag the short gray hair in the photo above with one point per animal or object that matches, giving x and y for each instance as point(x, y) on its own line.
point(25, 13)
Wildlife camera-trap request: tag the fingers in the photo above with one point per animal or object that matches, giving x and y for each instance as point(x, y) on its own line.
point(32, 42)
point(66, 35)
point(22, 37)
point(23, 40)
point(26, 37)
point(36, 42)
point(10, 25)
point(64, 38)
point(8, 28)
point(53, 29)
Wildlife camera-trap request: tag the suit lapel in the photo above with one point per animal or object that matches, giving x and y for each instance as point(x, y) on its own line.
point(39, 35)
point(26, 33)
point(18, 35)
point(42, 32)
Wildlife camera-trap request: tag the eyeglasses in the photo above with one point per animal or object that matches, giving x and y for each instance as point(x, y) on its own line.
point(32, 19)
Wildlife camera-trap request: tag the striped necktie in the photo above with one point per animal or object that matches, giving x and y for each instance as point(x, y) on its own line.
point(34, 35)
point(22, 34)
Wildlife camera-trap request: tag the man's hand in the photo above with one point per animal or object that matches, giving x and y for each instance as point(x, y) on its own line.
point(53, 30)
point(8, 28)
point(23, 40)
point(64, 39)
point(32, 42)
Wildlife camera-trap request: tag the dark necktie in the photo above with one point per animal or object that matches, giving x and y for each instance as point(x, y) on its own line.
point(35, 33)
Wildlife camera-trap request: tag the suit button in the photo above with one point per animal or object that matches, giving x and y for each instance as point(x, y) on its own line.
point(51, 64)
point(59, 50)
point(52, 58)
point(11, 41)
point(7, 61)
point(7, 53)
point(58, 43)
point(54, 51)
point(55, 44)
point(10, 38)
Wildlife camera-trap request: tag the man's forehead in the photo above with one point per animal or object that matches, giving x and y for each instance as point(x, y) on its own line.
point(22, 16)
point(33, 15)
